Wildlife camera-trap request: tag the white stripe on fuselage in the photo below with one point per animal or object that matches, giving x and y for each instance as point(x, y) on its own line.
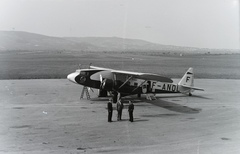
point(171, 87)
point(155, 85)
point(105, 74)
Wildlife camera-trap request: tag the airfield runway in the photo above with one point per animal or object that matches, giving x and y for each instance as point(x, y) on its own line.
point(46, 116)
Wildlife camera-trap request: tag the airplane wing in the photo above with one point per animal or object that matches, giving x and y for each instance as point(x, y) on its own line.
point(144, 76)
point(99, 68)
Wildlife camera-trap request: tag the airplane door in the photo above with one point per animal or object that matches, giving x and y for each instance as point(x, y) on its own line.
point(149, 86)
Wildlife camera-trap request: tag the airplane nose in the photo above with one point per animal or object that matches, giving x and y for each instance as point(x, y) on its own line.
point(72, 76)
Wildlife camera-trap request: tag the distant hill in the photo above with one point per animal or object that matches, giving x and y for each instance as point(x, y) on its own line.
point(120, 44)
point(17, 40)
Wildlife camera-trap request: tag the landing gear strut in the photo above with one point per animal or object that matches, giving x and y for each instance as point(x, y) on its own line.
point(139, 95)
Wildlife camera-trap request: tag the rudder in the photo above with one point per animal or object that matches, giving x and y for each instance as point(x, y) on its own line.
point(186, 84)
point(187, 79)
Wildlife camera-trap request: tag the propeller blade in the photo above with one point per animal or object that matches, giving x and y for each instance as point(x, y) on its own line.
point(101, 79)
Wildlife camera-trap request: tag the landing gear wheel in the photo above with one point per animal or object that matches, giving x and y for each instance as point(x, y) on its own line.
point(190, 94)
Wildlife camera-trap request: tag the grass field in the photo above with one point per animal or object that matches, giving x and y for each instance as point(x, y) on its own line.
point(48, 65)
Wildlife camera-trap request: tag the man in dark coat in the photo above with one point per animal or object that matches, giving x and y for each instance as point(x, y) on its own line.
point(110, 110)
point(130, 110)
point(119, 109)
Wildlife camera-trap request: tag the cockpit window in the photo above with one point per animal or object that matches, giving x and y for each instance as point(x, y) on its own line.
point(83, 73)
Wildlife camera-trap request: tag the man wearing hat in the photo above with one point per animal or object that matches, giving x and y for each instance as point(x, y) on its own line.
point(130, 110)
point(110, 110)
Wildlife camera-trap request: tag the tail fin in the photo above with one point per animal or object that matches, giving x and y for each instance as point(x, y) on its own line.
point(186, 84)
point(187, 79)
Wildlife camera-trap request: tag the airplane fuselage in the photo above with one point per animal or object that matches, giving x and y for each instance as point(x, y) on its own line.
point(123, 84)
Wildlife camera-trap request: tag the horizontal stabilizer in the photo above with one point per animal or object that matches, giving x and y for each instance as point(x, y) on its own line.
point(194, 88)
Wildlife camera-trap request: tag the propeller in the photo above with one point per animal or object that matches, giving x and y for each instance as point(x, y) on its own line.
point(101, 81)
point(102, 92)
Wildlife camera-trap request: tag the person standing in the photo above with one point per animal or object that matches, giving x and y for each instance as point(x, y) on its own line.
point(110, 110)
point(130, 110)
point(119, 109)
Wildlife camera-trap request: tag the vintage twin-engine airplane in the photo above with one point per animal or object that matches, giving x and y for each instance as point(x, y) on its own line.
point(129, 83)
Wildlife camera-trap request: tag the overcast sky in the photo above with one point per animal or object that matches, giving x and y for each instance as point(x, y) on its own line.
point(193, 23)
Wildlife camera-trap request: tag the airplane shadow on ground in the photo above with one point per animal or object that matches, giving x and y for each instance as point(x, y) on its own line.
point(202, 97)
point(160, 115)
point(124, 100)
point(182, 95)
point(174, 107)
point(106, 99)
point(135, 120)
point(160, 103)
